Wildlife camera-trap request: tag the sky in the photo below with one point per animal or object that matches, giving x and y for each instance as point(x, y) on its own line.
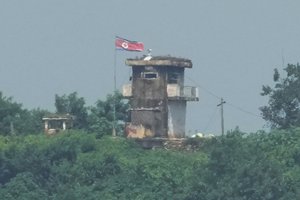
point(50, 47)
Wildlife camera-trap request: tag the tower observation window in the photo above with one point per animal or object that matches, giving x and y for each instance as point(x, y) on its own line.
point(149, 75)
point(173, 78)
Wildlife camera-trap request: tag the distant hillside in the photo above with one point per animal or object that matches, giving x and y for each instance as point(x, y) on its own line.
point(76, 165)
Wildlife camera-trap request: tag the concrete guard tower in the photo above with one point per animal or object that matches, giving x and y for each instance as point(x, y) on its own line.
point(158, 97)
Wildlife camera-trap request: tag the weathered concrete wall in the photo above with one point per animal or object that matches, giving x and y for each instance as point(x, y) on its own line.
point(149, 100)
point(127, 90)
point(176, 119)
point(138, 131)
point(157, 97)
point(173, 90)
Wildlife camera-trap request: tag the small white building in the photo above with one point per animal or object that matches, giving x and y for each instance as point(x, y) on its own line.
point(55, 123)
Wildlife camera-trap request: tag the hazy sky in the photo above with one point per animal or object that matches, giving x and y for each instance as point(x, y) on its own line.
point(50, 47)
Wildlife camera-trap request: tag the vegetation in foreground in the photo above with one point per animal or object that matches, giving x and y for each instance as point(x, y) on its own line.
point(77, 165)
point(83, 165)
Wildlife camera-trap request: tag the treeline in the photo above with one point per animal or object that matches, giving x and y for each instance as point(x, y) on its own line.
point(16, 120)
point(78, 165)
point(86, 164)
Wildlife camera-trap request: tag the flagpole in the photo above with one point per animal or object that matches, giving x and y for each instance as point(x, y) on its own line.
point(114, 93)
point(124, 44)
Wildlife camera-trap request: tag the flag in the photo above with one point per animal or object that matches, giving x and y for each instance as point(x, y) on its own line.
point(127, 45)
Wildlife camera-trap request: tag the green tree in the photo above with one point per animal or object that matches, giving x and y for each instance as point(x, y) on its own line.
point(283, 110)
point(30, 121)
point(74, 105)
point(76, 165)
point(23, 187)
point(101, 118)
point(10, 113)
point(16, 120)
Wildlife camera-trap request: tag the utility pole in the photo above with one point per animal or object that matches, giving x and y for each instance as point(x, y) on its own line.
point(222, 114)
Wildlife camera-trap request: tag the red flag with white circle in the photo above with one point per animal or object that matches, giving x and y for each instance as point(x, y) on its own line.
point(128, 45)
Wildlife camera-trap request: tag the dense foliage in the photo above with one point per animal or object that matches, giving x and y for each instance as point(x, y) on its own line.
point(86, 164)
point(72, 104)
point(77, 165)
point(101, 117)
point(283, 110)
point(15, 120)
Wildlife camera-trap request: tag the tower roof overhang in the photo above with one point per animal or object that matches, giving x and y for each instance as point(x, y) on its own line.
point(53, 117)
point(165, 61)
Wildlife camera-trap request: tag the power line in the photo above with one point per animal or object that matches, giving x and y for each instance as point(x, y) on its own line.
point(219, 98)
point(206, 90)
point(243, 110)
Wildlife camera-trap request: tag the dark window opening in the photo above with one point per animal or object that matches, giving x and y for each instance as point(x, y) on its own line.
point(173, 78)
point(149, 75)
